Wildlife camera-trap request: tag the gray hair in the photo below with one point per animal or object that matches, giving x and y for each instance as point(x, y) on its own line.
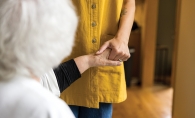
point(35, 35)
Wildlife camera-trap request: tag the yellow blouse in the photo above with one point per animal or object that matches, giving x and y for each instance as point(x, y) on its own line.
point(98, 22)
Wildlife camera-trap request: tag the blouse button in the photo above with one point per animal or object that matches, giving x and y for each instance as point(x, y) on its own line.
point(93, 24)
point(93, 6)
point(94, 40)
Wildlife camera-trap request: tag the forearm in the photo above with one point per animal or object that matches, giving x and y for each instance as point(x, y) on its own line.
point(66, 73)
point(126, 20)
point(82, 63)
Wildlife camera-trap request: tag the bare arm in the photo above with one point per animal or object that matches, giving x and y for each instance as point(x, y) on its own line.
point(119, 44)
point(126, 20)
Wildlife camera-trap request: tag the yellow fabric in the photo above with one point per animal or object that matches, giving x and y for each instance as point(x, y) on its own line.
point(98, 23)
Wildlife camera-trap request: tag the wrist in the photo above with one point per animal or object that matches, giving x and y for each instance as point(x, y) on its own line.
point(122, 37)
point(90, 60)
point(83, 63)
point(122, 40)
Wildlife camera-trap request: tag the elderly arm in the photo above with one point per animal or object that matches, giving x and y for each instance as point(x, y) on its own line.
point(68, 72)
point(119, 44)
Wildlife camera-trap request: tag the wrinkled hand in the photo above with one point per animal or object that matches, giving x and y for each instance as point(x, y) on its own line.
point(119, 50)
point(102, 59)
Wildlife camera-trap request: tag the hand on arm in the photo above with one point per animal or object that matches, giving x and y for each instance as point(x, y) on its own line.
point(93, 60)
point(119, 44)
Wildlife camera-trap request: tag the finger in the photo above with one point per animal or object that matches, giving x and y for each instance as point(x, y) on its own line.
point(102, 48)
point(112, 55)
point(119, 56)
point(126, 57)
point(113, 63)
point(106, 53)
point(123, 59)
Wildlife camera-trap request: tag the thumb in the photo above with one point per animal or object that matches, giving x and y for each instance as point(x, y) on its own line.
point(102, 48)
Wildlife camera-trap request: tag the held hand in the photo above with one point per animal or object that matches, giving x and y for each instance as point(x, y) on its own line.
point(119, 50)
point(102, 59)
point(92, 60)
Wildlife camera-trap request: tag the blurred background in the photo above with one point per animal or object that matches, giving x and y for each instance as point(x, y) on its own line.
point(160, 75)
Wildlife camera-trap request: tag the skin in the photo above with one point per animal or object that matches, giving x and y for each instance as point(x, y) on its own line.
point(93, 60)
point(119, 44)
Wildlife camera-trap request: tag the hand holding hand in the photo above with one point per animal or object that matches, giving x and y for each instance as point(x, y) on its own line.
point(93, 60)
point(102, 59)
point(119, 50)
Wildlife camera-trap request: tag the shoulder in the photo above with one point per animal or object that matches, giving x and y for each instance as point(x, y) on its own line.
point(47, 104)
point(31, 99)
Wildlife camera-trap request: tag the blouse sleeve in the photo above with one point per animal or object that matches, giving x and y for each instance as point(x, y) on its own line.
point(66, 73)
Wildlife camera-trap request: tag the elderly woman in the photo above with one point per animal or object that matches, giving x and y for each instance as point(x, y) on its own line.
point(35, 35)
